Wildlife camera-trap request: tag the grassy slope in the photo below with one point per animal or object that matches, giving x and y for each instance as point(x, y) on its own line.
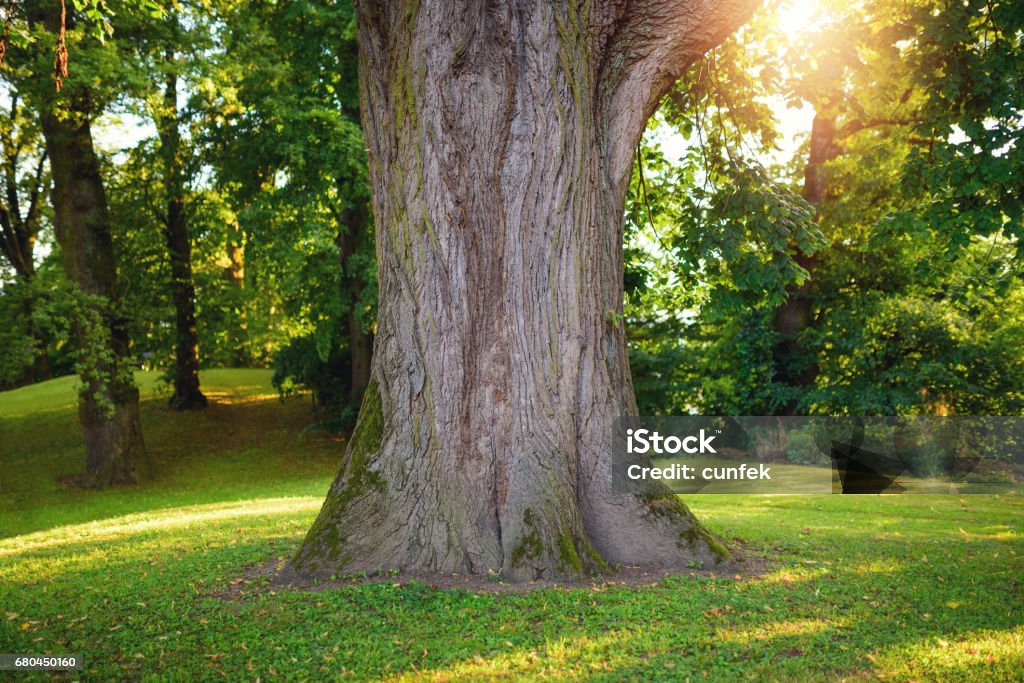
point(246, 444)
point(911, 587)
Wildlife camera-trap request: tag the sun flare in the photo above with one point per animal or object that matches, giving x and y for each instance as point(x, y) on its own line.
point(798, 18)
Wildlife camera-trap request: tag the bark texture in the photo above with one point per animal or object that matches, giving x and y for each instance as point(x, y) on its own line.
point(234, 275)
point(500, 138)
point(187, 395)
point(108, 410)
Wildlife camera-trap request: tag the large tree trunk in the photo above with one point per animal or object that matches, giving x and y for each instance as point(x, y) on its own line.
point(794, 366)
point(109, 402)
point(500, 140)
point(187, 395)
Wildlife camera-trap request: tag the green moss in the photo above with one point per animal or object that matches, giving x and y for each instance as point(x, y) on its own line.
point(697, 534)
point(570, 559)
point(595, 558)
point(369, 431)
point(324, 536)
point(667, 505)
point(693, 531)
point(529, 545)
point(717, 549)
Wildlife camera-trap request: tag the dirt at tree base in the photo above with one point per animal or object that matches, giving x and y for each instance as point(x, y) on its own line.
point(270, 576)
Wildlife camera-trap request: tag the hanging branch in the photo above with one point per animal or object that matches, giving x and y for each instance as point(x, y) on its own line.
point(5, 36)
point(60, 62)
point(647, 203)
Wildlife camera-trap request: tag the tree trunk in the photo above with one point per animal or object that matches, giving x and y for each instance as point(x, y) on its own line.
point(500, 140)
point(234, 274)
point(108, 410)
point(187, 395)
point(792, 366)
point(109, 402)
point(351, 234)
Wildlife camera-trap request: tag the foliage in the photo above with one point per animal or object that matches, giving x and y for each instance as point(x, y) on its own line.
point(913, 305)
point(967, 170)
point(17, 346)
point(300, 366)
point(82, 322)
point(293, 159)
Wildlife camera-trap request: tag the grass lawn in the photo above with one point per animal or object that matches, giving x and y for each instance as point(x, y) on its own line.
point(860, 587)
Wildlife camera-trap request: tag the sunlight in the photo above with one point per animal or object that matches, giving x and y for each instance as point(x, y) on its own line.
point(199, 515)
point(959, 657)
point(605, 652)
point(784, 628)
point(797, 18)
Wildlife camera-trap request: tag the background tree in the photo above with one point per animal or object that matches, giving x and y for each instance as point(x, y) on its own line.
point(167, 118)
point(22, 209)
point(108, 401)
point(294, 156)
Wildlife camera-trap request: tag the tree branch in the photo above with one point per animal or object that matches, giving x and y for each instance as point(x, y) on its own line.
point(650, 44)
point(856, 126)
point(37, 190)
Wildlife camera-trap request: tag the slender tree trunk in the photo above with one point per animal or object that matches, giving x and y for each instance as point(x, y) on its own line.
point(360, 342)
point(108, 410)
point(235, 271)
point(500, 140)
point(794, 366)
point(187, 395)
point(234, 274)
point(18, 246)
point(823, 149)
point(19, 228)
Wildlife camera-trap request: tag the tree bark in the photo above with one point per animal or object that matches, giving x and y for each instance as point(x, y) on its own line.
point(234, 274)
point(187, 395)
point(500, 140)
point(109, 402)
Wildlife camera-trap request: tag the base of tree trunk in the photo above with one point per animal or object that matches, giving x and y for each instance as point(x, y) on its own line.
point(190, 400)
point(392, 510)
point(666, 537)
point(114, 449)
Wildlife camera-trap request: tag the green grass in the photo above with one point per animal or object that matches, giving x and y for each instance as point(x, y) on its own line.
point(902, 587)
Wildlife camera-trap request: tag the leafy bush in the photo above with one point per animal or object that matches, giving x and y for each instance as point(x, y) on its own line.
point(302, 365)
